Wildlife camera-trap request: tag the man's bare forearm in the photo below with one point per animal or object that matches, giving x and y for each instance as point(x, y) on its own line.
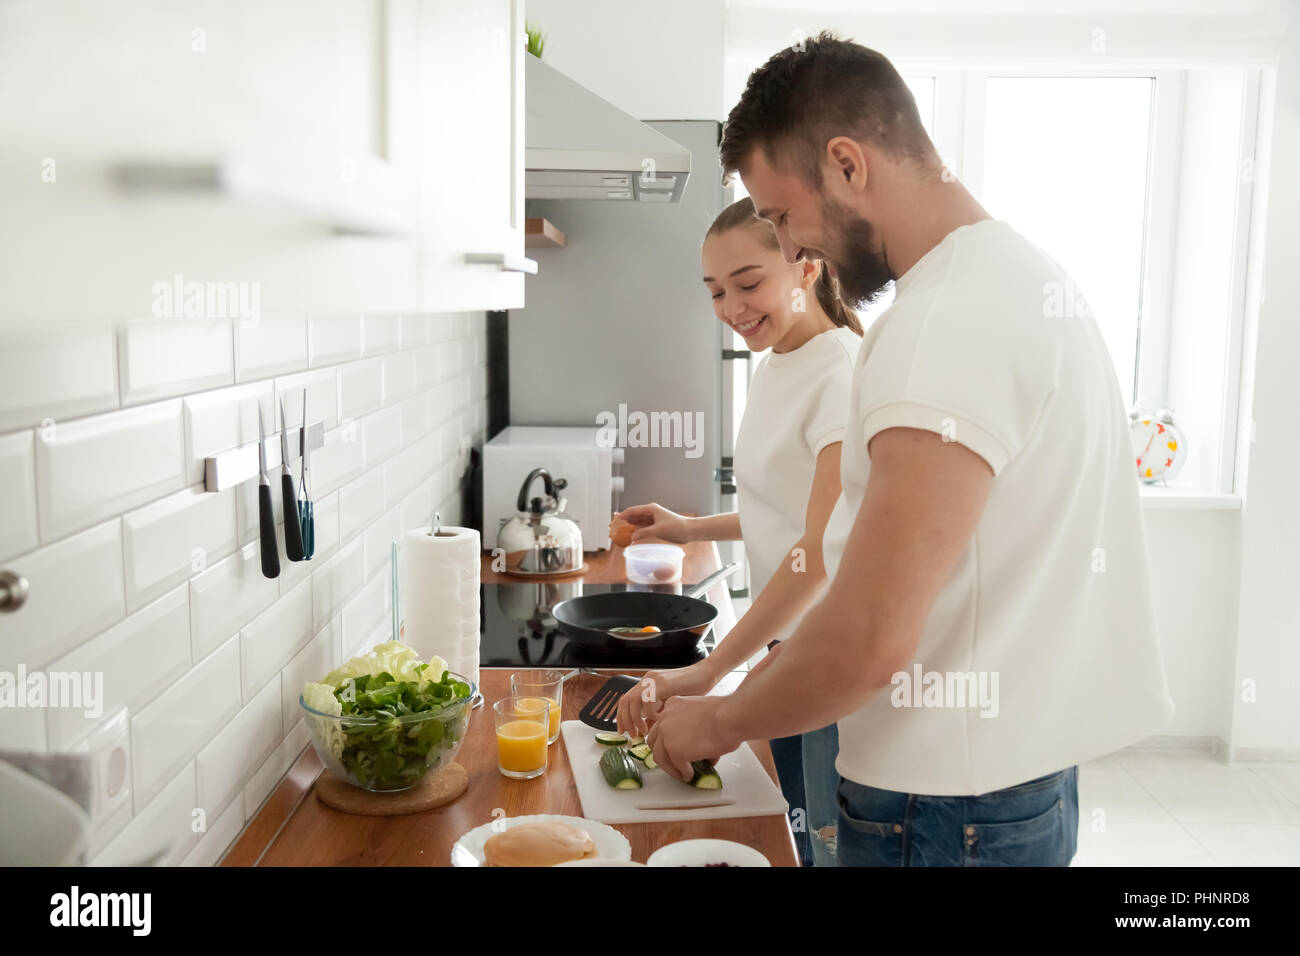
point(816, 680)
point(922, 504)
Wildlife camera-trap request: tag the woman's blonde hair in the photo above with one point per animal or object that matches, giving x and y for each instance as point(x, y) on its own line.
point(741, 214)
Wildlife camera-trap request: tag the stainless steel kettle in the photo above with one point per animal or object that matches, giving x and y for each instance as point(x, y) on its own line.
point(541, 538)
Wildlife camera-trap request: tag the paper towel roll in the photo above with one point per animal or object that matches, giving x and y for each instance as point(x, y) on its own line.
point(441, 596)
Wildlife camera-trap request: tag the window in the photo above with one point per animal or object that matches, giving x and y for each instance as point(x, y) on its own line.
point(1065, 162)
point(1139, 184)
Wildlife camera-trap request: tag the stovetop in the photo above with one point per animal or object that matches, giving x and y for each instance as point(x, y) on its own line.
point(519, 631)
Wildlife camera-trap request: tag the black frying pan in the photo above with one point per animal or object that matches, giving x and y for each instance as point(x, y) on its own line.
point(682, 619)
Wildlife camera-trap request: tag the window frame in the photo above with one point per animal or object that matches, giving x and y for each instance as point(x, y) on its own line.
point(959, 134)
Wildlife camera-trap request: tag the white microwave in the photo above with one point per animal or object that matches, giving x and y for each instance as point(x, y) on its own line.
point(592, 486)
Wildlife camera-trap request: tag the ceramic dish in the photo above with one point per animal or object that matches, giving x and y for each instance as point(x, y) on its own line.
point(611, 846)
point(706, 853)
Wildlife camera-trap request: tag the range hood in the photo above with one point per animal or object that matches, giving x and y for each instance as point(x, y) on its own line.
point(579, 146)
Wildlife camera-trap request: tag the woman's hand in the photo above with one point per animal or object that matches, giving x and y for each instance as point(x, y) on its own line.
point(641, 704)
point(656, 521)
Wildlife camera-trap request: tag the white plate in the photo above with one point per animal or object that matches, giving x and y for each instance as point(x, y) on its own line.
point(604, 863)
point(610, 844)
point(703, 852)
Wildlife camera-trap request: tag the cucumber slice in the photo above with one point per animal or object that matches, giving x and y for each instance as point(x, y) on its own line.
point(636, 741)
point(619, 770)
point(705, 778)
point(650, 762)
point(639, 751)
point(610, 740)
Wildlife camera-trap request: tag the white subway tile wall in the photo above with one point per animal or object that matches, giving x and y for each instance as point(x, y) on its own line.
point(162, 357)
point(140, 657)
point(264, 779)
point(77, 591)
point(361, 389)
point(361, 502)
point(380, 333)
point(270, 347)
point(18, 526)
point(50, 375)
point(238, 749)
point(91, 468)
point(169, 731)
point(170, 540)
point(139, 575)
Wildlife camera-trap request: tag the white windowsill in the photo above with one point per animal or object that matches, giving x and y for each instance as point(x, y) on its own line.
point(1159, 496)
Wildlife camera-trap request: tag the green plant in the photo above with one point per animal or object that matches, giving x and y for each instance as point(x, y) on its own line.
point(535, 40)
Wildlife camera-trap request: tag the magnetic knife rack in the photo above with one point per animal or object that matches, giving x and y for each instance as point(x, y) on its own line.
point(237, 465)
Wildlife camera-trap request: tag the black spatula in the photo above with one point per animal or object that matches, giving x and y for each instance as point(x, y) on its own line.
point(601, 711)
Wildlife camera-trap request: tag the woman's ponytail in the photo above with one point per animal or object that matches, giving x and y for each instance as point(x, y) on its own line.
point(827, 288)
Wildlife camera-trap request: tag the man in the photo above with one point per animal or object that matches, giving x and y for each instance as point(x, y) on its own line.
point(989, 624)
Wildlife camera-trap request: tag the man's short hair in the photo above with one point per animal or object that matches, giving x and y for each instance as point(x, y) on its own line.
point(811, 92)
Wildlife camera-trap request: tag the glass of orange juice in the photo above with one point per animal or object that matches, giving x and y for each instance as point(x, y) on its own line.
point(521, 738)
point(531, 689)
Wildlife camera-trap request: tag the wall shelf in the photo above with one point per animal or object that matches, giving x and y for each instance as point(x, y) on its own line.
point(542, 233)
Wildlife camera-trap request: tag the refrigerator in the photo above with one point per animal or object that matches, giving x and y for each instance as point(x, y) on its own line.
point(619, 328)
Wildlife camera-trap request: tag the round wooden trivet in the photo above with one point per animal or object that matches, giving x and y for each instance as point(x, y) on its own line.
point(435, 790)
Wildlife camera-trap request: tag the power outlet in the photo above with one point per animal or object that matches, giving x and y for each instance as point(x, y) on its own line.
point(109, 746)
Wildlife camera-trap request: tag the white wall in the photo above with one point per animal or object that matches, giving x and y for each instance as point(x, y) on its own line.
point(954, 32)
point(1268, 642)
point(138, 574)
point(655, 61)
point(1193, 557)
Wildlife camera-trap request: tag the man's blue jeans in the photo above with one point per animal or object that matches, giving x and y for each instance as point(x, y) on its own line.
point(1035, 823)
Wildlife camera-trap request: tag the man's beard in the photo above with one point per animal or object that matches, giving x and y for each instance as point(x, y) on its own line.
point(862, 272)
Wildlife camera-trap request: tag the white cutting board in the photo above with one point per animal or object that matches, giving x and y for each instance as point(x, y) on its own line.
point(744, 781)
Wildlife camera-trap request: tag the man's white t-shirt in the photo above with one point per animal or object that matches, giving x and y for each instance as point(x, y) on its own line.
point(797, 405)
point(1051, 597)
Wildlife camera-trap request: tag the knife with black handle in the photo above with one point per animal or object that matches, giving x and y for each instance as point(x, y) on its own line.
point(292, 529)
point(265, 508)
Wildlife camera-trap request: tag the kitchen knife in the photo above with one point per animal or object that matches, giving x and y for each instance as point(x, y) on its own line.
point(306, 516)
point(292, 529)
point(265, 509)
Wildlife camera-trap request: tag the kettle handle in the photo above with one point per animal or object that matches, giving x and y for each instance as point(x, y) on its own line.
point(547, 484)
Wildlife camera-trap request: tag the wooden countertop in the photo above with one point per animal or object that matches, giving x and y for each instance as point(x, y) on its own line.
point(294, 829)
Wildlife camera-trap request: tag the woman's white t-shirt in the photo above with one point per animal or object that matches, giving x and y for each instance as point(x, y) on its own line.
point(798, 404)
point(1041, 651)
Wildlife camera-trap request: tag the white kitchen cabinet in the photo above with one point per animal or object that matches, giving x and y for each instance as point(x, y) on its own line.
point(472, 156)
point(281, 156)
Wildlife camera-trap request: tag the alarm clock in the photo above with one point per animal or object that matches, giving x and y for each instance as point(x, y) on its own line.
point(1158, 445)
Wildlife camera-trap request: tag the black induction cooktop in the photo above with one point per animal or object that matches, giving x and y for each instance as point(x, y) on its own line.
point(519, 631)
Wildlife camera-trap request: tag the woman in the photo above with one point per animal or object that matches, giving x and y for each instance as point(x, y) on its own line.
point(787, 467)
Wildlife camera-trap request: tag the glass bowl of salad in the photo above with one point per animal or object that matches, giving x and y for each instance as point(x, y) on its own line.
point(385, 720)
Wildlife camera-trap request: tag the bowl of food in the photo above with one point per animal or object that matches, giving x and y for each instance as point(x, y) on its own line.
point(707, 853)
point(386, 719)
